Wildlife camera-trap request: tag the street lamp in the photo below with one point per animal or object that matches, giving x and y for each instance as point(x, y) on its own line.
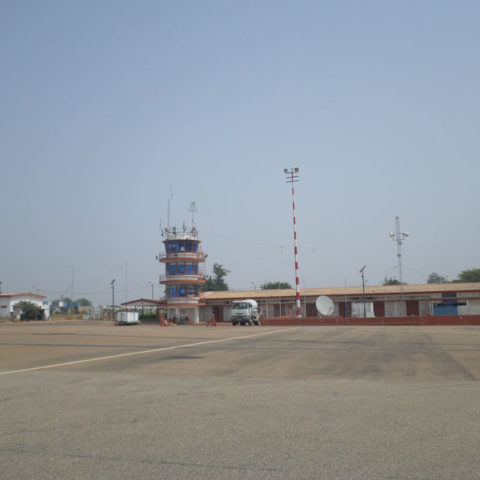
point(362, 272)
point(150, 283)
point(292, 177)
point(112, 283)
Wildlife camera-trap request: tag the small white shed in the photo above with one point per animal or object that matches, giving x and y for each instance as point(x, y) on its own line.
point(8, 301)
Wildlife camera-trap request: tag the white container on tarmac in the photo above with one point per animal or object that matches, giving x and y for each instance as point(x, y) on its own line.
point(127, 318)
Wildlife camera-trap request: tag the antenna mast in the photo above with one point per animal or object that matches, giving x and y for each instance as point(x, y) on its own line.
point(168, 213)
point(398, 237)
point(193, 209)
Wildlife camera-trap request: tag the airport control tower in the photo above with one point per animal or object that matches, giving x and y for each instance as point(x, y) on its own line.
point(183, 277)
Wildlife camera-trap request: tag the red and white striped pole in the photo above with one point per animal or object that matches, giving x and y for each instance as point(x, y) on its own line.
point(292, 177)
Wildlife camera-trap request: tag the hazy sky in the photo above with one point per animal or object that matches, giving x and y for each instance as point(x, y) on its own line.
point(109, 108)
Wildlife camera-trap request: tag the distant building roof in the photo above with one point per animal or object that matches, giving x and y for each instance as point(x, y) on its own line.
point(11, 295)
point(144, 302)
point(342, 291)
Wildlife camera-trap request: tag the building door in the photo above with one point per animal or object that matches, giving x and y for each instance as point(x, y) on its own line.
point(413, 308)
point(379, 308)
point(218, 312)
point(344, 309)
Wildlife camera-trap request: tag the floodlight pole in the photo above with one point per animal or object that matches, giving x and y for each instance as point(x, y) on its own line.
point(398, 236)
point(292, 177)
point(112, 283)
point(362, 272)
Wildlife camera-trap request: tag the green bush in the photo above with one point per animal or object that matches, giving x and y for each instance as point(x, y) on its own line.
point(29, 311)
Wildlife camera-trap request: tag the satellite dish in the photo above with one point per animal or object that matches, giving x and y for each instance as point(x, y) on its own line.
point(324, 305)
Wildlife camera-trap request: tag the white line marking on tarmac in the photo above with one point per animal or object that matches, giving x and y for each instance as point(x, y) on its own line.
point(142, 352)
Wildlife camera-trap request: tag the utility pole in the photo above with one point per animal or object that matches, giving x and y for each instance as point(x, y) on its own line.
point(292, 177)
point(398, 237)
point(126, 282)
point(112, 283)
point(362, 273)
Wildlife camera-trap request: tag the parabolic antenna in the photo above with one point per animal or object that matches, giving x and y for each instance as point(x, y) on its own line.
point(324, 305)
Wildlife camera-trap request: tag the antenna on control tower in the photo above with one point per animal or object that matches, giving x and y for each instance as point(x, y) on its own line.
point(193, 209)
point(168, 207)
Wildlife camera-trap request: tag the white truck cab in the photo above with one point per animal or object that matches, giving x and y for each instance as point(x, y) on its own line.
point(245, 312)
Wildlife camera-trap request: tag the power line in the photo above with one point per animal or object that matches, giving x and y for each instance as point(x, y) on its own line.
point(240, 240)
point(99, 292)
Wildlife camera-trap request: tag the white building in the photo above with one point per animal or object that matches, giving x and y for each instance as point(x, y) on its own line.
point(9, 300)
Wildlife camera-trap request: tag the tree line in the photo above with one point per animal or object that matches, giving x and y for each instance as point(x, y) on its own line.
point(216, 281)
point(465, 276)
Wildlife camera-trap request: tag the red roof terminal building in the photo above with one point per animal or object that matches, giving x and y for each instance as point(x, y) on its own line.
point(409, 302)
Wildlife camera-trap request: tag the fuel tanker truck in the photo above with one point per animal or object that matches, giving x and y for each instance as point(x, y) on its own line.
point(245, 312)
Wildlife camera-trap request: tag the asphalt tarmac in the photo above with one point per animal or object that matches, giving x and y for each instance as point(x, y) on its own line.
point(83, 400)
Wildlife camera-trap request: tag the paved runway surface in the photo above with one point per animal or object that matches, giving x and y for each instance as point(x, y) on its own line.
point(93, 401)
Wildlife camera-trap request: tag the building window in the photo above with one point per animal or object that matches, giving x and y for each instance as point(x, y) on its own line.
point(172, 247)
point(181, 269)
point(191, 269)
point(449, 295)
point(181, 291)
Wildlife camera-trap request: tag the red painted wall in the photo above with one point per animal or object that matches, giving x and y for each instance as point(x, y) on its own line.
point(426, 320)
